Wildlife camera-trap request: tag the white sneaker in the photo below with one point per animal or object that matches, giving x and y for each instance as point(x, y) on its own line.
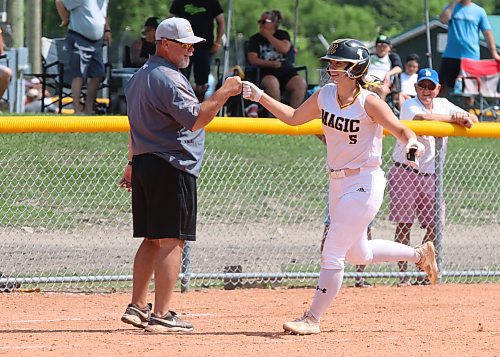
point(427, 261)
point(305, 325)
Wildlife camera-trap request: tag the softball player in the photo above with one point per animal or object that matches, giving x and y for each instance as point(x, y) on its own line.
point(352, 124)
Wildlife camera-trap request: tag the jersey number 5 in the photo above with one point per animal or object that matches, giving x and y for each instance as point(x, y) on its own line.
point(353, 139)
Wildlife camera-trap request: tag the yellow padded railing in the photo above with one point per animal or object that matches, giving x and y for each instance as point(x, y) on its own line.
point(93, 124)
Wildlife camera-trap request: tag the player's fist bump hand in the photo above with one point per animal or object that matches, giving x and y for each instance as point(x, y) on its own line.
point(251, 91)
point(233, 85)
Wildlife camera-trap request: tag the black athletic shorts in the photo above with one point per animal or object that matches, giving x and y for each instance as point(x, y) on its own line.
point(163, 199)
point(282, 74)
point(449, 71)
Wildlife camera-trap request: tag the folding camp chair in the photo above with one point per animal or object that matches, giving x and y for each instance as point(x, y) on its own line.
point(481, 81)
point(252, 73)
point(55, 64)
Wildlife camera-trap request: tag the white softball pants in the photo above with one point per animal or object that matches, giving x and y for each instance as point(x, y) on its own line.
point(354, 202)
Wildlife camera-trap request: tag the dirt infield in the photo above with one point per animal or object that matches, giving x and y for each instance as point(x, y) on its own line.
point(446, 320)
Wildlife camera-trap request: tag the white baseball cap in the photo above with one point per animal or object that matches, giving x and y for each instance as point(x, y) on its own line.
point(33, 93)
point(176, 28)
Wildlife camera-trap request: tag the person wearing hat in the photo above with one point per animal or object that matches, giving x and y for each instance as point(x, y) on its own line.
point(144, 46)
point(353, 119)
point(33, 102)
point(166, 148)
point(411, 189)
point(202, 14)
point(384, 65)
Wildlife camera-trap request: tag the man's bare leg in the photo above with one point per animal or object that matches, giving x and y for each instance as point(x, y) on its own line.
point(76, 91)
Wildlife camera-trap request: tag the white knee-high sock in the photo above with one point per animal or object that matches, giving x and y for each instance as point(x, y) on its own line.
point(330, 281)
point(389, 251)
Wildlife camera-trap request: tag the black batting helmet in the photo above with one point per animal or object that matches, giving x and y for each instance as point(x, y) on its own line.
point(352, 51)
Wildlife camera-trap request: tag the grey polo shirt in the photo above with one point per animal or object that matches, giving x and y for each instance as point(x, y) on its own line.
point(162, 108)
point(87, 17)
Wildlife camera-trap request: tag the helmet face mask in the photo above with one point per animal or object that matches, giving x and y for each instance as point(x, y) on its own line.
point(337, 67)
point(351, 51)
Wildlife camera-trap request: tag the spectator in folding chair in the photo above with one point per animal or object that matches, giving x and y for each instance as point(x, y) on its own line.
point(465, 20)
point(412, 189)
point(144, 46)
point(384, 65)
point(5, 76)
point(480, 84)
point(33, 102)
point(88, 29)
point(269, 49)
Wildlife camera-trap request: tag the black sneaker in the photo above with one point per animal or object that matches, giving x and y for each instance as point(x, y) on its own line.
point(137, 317)
point(171, 322)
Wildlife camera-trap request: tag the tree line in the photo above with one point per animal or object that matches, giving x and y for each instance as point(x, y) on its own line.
point(361, 19)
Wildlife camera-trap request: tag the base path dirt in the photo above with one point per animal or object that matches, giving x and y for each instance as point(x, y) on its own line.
point(445, 320)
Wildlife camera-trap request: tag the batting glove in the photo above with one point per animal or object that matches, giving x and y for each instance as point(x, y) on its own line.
point(415, 144)
point(251, 91)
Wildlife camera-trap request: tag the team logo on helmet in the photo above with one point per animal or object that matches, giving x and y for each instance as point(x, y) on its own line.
point(333, 47)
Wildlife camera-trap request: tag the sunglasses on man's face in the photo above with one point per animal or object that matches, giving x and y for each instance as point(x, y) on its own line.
point(429, 86)
point(186, 46)
point(264, 21)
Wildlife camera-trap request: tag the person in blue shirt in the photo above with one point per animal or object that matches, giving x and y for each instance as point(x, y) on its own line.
point(465, 20)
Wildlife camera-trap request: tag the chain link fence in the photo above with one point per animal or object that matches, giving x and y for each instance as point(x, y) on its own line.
point(65, 224)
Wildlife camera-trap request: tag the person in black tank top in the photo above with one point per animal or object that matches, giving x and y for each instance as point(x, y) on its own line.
point(142, 47)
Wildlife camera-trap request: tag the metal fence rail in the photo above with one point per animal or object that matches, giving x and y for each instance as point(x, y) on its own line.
point(64, 220)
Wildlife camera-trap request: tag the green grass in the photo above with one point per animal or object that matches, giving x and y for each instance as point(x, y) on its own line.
point(64, 180)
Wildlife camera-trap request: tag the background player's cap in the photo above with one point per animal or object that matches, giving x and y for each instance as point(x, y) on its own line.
point(176, 28)
point(383, 39)
point(428, 74)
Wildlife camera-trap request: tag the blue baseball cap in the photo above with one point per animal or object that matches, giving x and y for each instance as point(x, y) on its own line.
point(428, 74)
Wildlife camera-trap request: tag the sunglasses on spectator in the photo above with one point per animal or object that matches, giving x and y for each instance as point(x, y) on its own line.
point(430, 86)
point(186, 46)
point(265, 21)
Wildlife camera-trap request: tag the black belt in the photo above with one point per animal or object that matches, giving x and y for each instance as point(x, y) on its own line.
point(409, 168)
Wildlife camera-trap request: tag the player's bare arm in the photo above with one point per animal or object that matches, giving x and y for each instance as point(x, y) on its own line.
point(380, 112)
point(306, 112)
point(210, 107)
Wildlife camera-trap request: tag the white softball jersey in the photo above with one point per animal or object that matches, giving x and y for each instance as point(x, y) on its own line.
point(353, 139)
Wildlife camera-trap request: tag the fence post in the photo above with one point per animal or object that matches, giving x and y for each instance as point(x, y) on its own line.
point(186, 267)
point(439, 196)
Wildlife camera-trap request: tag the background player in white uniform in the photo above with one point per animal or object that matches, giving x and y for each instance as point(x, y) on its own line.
point(352, 123)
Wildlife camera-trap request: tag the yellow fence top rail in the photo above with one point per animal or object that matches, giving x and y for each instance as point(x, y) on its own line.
point(94, 124)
